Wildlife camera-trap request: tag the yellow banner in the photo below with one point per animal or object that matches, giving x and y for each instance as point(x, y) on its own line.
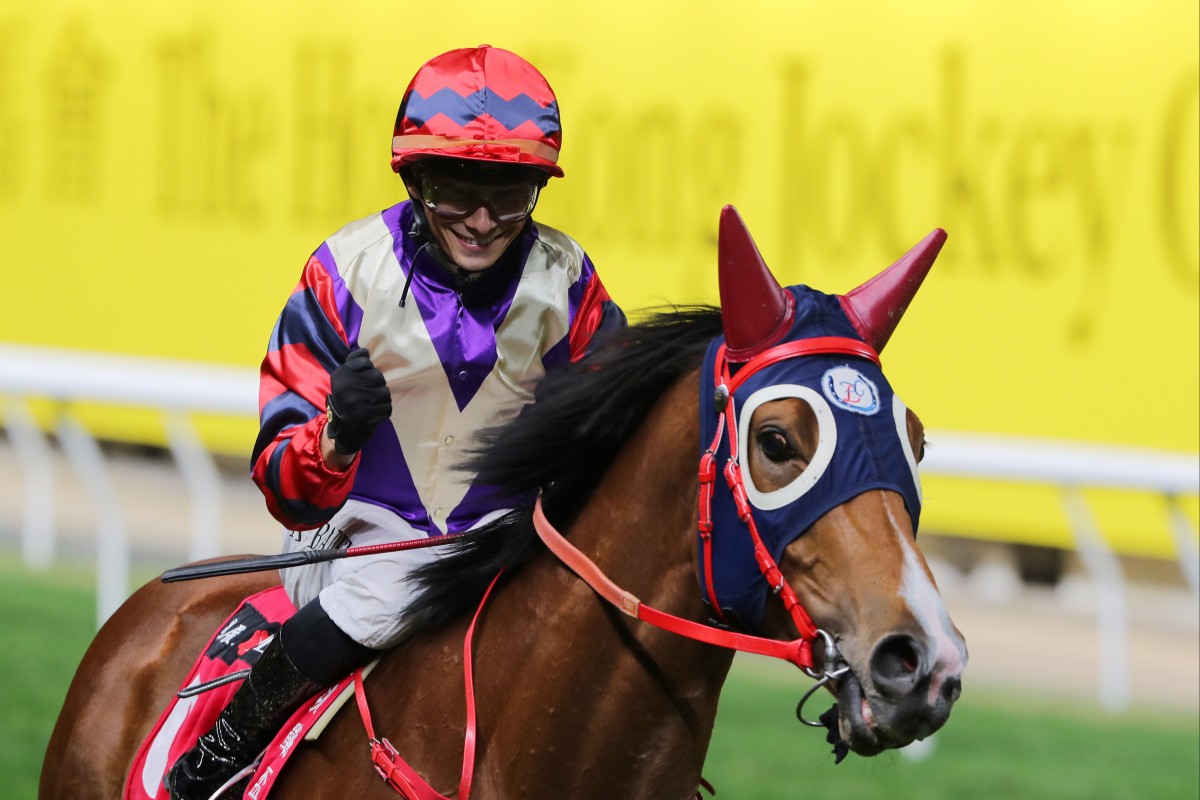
point(166, 168)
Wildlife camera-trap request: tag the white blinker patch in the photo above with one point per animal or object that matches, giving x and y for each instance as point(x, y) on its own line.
point(826, 444)
point(900, 415)
point(849, 389)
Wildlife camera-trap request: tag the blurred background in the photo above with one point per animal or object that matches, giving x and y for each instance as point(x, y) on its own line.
point(166, 169)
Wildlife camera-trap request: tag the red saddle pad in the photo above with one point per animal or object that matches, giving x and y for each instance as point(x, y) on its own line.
point(235, 646)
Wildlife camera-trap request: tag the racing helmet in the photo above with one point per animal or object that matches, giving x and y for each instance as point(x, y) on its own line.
point(480, 104)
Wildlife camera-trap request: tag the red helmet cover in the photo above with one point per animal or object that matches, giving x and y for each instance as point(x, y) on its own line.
point(479, 104)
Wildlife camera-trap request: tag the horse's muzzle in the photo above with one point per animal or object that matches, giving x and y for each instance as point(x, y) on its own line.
point(908, 695)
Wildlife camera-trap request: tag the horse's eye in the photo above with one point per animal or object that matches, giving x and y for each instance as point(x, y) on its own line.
point(775, 446)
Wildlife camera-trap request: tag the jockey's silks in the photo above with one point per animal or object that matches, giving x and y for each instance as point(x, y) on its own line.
point(863, 445)
point(459, 353)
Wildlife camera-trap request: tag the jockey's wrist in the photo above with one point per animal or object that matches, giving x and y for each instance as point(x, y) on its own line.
point(338, 462)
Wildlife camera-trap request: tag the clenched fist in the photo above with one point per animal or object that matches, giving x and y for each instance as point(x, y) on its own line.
point(358, 400)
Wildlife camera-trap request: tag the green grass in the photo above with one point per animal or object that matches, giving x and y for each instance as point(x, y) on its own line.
point(994, 747)
point(49, 619)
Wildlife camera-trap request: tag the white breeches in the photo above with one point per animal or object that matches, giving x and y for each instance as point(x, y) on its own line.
point(366, 596)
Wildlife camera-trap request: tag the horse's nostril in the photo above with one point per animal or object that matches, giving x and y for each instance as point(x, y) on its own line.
point(896, 659)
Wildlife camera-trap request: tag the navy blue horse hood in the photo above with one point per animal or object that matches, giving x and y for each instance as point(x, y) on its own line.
point(863, 441)
point(863, 445)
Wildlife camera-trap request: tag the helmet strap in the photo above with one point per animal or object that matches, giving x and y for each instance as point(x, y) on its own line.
point(420, 231)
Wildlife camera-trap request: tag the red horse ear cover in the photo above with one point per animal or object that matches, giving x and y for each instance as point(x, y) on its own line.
point(756, 311)
point(875, 308)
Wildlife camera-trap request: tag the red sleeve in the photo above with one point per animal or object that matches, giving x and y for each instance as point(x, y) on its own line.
point(596, 312)
point(300, 489)
point(308, 343)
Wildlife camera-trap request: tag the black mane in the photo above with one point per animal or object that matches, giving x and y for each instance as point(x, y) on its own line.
point(561, 445)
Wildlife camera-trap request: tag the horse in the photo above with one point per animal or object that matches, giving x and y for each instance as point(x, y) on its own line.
point(576, 697)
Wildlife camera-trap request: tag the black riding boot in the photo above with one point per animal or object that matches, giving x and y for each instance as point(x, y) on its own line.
point(274, 689)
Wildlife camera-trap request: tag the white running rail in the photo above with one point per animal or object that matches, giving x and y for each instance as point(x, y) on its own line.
point(176, 389)
point(179, 389)
point(1072, 467)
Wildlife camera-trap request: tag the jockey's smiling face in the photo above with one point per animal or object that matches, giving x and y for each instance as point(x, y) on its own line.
point(474, 222)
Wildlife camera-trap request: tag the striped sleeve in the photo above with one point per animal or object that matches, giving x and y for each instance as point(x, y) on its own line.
point(309, 342)
point(594, 312)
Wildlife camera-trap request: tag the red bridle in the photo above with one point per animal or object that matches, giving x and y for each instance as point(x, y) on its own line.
point(797, 651)
point(726, 385)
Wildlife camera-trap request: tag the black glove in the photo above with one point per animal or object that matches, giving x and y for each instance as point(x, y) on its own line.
point(358, 401)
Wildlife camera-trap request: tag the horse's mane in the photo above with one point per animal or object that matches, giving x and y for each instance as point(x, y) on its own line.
point(560, 446)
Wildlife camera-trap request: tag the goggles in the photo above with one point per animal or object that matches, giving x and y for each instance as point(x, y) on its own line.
point(453, 200)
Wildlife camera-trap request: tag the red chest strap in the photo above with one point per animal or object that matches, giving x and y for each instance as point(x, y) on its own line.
point(407, 782)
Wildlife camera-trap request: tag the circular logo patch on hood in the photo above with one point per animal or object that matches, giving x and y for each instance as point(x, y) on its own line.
point(849, 389)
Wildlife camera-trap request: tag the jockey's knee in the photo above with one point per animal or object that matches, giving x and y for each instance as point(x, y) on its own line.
point(321, 650)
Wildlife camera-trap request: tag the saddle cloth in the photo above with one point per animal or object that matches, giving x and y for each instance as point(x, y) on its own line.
point(235, 646)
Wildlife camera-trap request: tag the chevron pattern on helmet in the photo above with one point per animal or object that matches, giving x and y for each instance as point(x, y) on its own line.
point(463, 110)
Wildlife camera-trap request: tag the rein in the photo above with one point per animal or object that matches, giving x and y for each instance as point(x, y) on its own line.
point(798, 652)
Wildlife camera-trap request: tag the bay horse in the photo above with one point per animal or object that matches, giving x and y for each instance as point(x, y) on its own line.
point(577, 699)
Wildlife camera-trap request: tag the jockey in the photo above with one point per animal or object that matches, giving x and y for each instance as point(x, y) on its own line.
point(410, 331)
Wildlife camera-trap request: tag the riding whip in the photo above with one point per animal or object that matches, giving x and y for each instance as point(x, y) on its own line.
point(237, 566)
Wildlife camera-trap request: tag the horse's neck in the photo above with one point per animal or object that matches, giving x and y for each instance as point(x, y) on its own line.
point(615, 696)
point(575, 699)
